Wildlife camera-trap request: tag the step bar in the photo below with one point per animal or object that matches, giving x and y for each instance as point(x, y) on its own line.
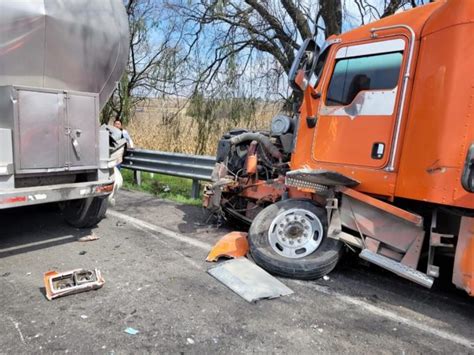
point(397, 268)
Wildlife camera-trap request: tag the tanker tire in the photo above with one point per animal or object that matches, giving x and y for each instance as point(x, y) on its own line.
point(85, 213)
point(313, 266)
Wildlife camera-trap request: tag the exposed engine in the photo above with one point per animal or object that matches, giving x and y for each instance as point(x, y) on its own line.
point(247, 159)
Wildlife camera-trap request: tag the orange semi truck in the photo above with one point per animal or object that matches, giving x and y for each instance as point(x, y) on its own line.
point(378, 157)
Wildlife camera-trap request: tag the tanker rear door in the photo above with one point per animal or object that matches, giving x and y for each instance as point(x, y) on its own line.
point(54, 131)
point(357, 115)
point(82, 129)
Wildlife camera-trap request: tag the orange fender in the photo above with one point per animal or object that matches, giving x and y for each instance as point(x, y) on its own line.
point(232, 245)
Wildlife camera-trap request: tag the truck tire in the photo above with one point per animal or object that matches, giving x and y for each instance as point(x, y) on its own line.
point(85, 213)
point(311, 254)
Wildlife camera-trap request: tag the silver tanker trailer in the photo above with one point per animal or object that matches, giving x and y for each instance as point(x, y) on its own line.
point(59, 63)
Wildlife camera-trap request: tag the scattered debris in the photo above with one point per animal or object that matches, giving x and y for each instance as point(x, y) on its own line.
point(89, 238)
point(83, 316)
point(59, 284)
point(83, 252)
point(190, 341)
point(120, 224)
point(166, 188)
point(131, 331)
point(6, 274)
point(249, 280)
point(326, 278)
point(232, 245)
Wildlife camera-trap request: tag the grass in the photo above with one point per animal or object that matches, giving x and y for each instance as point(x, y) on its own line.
point(167, 187)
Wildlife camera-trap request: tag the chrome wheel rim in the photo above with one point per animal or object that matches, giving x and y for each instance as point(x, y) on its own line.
point(295, 233)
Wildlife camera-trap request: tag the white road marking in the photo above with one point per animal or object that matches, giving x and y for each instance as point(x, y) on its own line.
point(160, 239)
point(469, 343)
point(378, 311)
point(164, 231)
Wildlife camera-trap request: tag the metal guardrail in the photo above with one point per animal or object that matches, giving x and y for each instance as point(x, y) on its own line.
point(195, 167)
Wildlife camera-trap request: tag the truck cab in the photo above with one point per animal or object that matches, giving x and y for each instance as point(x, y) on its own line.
point(381, 157)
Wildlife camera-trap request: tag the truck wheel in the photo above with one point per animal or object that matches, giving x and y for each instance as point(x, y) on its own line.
point(86, 212)
point(288, 238)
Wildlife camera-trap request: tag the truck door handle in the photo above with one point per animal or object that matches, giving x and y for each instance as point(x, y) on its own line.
point(311, 121)
point(75, 142)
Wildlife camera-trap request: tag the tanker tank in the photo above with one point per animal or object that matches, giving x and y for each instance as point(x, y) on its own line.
point(77, 45)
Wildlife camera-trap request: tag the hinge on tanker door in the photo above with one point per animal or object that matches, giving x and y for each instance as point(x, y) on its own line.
point(67, 164)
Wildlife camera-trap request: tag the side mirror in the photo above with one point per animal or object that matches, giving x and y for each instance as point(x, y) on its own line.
point(303, 65)
point(468, 174)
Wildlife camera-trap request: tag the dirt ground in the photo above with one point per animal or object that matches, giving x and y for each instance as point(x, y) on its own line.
point(151, 254)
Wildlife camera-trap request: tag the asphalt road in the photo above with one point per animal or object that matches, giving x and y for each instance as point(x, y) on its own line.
point(151, 254)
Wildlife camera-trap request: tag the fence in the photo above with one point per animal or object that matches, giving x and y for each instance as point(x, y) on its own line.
point(195, 167)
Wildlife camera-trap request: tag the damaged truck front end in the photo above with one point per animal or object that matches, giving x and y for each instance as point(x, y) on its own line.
point(361, 164)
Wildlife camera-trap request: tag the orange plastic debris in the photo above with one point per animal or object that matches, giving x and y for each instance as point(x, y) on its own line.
point(232, 245)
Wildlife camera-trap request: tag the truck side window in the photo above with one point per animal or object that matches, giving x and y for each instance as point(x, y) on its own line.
point(353, 75)
point(320, 65)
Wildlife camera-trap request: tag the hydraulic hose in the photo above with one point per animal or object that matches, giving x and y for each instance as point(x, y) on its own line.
point(263, 140)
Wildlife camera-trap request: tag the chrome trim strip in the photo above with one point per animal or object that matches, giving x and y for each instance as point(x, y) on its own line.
point(406, 77)
point(393, 45)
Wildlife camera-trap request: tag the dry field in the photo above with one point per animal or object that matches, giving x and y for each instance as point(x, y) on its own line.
point(164, 124)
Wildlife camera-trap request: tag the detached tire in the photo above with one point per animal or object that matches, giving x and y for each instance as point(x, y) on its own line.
point(85, 213)
point(289, 238)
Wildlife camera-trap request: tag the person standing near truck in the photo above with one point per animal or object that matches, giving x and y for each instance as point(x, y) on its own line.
point(125, 134)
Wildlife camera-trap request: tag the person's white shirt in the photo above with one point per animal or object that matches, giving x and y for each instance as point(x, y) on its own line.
point(127, 137)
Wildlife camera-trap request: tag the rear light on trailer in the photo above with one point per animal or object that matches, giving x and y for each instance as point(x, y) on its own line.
point(104, 188)
point(15, 199)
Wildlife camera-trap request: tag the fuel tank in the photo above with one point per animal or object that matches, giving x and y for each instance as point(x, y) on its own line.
point(78, 45)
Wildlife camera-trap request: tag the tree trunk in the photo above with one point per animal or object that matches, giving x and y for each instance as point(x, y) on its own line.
point(331, 12)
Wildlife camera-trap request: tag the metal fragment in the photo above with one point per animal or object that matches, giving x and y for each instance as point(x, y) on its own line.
point(248, 280)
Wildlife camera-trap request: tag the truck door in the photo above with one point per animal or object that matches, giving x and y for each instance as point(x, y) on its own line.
point(358, 107)
point(39, 129)
point(55, 130)
point(83, 128)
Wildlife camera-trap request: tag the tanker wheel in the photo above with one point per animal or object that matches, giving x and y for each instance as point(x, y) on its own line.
point(288, 238)
point(85, 213)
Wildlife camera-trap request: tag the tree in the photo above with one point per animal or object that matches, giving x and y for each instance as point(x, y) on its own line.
point(239, 28)
point(154, 54)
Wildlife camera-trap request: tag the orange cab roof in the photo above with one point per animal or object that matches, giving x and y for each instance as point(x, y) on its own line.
point(415, 18)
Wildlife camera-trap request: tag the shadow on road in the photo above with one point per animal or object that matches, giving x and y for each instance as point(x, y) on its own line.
point(27, 229)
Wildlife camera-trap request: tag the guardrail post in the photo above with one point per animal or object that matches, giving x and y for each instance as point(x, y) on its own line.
point(137, 177)
point(196, 189)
